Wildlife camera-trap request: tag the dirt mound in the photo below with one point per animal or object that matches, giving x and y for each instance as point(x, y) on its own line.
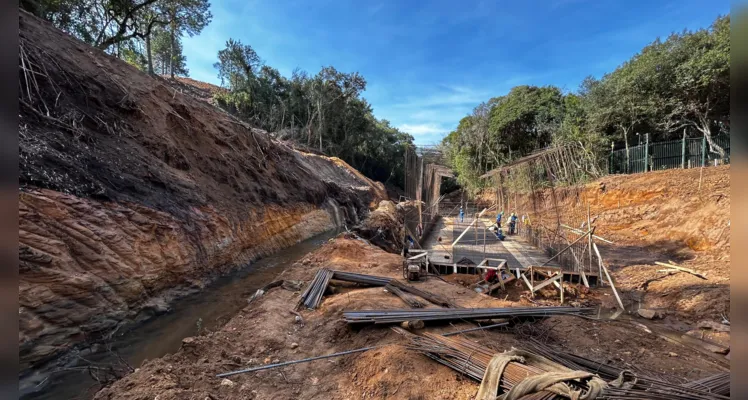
point(134, 193)
point(384, 227)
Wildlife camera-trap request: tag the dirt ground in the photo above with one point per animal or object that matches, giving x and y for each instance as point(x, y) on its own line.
point(267, 332)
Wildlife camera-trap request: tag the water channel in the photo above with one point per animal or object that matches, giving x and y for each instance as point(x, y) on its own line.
point(206, 310)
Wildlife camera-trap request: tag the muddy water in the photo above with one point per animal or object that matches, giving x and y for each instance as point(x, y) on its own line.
point(203, 311)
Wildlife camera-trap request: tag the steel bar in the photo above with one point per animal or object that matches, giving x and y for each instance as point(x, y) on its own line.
point(429, 314)
point(428, 296)
point(270, 366)
point(480, 328)
point(718, 384)
point(406, 297)
point(372, 280)
point(312, 296)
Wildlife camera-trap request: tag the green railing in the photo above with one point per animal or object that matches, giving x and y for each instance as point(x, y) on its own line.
point(683, 153)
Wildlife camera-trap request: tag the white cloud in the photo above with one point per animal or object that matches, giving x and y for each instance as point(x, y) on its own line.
point(421, 129)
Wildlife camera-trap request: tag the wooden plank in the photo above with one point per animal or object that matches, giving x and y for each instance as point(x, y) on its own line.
point(607, 274)
point(584, 279)
point(529, 285)
point(690, 271)
point(548, 282)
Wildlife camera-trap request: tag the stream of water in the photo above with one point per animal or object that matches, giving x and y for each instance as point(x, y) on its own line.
point(206, 310)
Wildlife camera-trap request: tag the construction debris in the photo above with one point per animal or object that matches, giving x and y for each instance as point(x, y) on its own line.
point(438, 314)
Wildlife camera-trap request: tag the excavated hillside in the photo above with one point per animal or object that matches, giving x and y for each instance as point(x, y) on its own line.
point(133, 193)
point(677, 215)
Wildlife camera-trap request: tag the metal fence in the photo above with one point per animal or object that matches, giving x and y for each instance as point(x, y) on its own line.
point(682, 153)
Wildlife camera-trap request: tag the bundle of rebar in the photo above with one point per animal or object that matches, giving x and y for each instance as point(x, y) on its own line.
point(406, 297)
point(646, 387)
point(465, 314)
point(718, 384)
point(371, 280)
point(312, 296)
point(471, 359)
point(428, 296)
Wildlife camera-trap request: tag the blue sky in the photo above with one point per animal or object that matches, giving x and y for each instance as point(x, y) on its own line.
point(429, 63)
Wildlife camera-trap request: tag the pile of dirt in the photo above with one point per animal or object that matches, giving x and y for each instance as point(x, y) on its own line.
point(385, 227)
point(267, 332)
point(133, 193)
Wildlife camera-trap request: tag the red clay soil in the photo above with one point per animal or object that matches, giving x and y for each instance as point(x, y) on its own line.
point(266, 332)
point(678, 215)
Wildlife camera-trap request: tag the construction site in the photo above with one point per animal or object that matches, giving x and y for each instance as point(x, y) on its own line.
point(169, 250)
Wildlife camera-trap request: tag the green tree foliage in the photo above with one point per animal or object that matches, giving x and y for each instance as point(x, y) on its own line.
point(118, 26)
point(324, 112)
point(675, 86)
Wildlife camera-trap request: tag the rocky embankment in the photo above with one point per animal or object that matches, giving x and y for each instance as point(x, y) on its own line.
point(133, 193)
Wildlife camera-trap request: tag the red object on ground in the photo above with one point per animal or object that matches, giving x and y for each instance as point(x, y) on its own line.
point(490, 275)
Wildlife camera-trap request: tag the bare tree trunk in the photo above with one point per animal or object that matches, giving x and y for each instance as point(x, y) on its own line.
point(148, 52)
point(707, 131)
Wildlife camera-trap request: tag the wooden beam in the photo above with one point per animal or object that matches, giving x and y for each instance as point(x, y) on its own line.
point(581, 232)
point(549, 281)
point(610, 280)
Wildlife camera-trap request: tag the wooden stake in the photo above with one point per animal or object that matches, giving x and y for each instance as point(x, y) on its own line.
point(610, 280)
point(701, 175)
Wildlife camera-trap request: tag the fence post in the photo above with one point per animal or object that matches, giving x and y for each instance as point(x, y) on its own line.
point(683, 151)
point(646, 152)
point(703, 151)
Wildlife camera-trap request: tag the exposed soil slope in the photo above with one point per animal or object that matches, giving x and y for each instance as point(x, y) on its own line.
point(678, 215)
point(133, 192)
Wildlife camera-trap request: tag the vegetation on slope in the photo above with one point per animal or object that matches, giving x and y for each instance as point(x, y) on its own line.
point(676, 86)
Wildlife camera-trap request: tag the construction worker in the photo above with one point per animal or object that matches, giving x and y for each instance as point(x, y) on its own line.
point(462, 214)
point(498, 219)
point(513, 224)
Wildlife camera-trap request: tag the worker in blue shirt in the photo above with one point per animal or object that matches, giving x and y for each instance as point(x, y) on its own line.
point(498, 219)
point(513, 224)
point(462, 214)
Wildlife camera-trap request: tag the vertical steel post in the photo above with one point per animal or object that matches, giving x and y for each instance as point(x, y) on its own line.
point(646, 152)
point(683, 150)
point(703, 151)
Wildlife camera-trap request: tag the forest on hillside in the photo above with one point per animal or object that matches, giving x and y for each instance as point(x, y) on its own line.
point(324, 112)
point(672, 87)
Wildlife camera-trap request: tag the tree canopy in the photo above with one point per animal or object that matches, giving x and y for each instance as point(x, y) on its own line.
point(672, 87)
point(324, 112)
point(134, 30)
